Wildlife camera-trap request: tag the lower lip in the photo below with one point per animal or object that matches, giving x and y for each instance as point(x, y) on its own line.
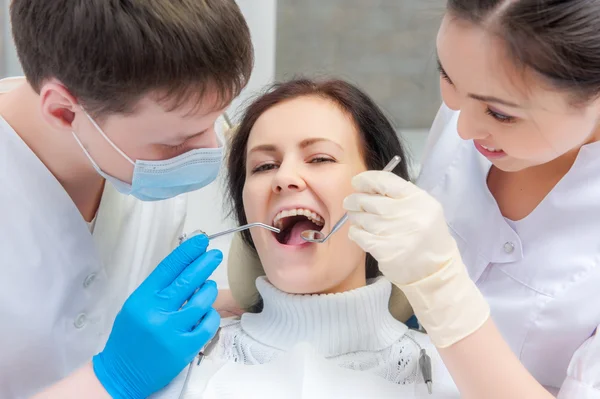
point(489, 154)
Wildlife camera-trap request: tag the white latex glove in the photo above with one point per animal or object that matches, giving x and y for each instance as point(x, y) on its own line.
point(404, 229)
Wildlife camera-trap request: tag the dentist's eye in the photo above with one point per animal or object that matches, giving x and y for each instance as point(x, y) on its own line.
point(264, 167)
point(500, 117)
point(175, 148)
point(321, 160)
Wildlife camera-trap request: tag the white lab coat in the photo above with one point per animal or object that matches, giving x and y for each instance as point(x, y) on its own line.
point(60, 285)
point(540, 275)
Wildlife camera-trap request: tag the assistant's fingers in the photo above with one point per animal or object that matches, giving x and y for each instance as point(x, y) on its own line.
point(382, 183)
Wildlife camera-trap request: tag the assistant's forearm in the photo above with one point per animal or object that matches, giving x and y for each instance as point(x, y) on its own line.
point(483, 366)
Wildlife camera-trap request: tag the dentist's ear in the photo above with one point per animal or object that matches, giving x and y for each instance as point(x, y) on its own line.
point(58, 106)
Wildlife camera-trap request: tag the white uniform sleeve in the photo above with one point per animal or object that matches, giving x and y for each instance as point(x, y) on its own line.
point(583, 374)
point(437, 128)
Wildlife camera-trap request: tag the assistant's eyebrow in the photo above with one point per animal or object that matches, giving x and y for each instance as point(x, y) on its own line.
point(491, 99)
point(480, 97)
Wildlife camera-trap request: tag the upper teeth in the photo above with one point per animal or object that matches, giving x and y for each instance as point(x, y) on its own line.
point(491, 149)
point(312, 216)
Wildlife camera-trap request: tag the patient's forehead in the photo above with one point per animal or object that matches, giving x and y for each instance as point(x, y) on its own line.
point(295, 120)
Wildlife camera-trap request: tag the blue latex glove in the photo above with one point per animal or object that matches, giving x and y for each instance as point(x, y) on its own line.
point(154, 337)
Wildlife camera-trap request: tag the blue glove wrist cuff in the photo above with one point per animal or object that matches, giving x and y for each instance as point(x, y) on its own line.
point(115, 388)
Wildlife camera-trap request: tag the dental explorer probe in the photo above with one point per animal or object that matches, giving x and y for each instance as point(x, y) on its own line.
point(185, 237)
point(319, 237)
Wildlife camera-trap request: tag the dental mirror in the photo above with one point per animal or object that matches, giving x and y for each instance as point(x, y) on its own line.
point(318, 237)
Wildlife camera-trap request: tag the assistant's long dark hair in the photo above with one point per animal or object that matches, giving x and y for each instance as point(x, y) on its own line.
point(378, 137)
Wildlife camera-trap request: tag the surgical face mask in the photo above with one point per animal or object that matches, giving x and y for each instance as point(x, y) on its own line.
point(159, 180)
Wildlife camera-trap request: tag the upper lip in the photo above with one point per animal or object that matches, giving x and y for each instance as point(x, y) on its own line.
point(289, 208)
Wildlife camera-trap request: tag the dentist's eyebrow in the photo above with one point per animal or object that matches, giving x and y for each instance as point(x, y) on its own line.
point(312, 141)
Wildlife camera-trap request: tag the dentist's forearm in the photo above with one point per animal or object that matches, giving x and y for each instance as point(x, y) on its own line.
point(483, 366)
point(82, 383)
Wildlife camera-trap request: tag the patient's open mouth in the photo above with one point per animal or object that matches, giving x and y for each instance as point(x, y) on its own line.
point(292, 222)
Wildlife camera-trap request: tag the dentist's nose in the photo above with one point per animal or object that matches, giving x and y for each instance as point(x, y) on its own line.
point(287, 179)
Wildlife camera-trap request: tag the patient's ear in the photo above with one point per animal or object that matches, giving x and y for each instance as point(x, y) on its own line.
point(243, 268)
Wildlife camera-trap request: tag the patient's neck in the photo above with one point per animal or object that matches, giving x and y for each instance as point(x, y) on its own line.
point(355, 280)
point(335, 324)
point(356, 277)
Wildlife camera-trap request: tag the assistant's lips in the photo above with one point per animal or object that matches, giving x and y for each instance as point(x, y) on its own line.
point(486, 152)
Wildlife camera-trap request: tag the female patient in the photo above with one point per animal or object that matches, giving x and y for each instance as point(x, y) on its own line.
point(322, 315)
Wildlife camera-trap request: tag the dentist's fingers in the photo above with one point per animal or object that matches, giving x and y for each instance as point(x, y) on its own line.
point(191, 279)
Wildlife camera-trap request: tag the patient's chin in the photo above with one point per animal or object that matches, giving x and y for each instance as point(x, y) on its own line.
point(303, 280)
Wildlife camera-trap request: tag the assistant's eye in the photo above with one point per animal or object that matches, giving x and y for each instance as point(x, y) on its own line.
point(264, 167)
point(500, 117)
point(443, 74)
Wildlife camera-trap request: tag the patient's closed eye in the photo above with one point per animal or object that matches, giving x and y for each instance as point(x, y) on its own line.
point(322, 159)
point(264, 167)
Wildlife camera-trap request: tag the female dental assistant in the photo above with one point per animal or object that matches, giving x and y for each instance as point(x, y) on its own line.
point(506, 221)
point(514, 160)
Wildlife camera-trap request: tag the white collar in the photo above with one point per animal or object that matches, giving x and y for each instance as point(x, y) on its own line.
point(8, 84)
point(335, 324)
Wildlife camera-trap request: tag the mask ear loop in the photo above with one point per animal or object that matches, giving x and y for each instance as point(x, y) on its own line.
point(86, 151)
point(228, 123)
point(117, 149)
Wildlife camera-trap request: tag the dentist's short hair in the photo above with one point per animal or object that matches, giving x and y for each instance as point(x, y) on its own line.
point(110, 53)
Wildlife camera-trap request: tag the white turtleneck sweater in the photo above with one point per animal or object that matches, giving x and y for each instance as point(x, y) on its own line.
point(353, 330)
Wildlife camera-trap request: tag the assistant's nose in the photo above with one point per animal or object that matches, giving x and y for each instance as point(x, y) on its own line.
point(471, 128)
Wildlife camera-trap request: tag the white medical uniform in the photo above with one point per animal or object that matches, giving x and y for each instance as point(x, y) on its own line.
point(541, 274)
point(60, 285)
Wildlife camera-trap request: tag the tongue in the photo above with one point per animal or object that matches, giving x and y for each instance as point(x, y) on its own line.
point(297, 229)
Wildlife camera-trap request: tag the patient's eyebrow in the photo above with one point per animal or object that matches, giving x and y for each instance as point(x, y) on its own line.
point(263, 148)
point(312, 141)
point(303, 144)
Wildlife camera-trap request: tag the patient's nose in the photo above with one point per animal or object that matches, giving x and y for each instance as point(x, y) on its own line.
point(287, 180)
